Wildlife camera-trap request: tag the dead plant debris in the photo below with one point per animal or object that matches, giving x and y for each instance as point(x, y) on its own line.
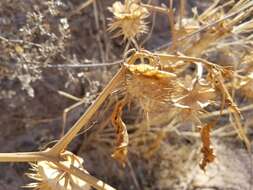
point(203, 74)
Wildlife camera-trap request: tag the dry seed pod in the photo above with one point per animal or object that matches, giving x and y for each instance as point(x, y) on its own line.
point(128, 19)
point(150, 85)
point(51, 177)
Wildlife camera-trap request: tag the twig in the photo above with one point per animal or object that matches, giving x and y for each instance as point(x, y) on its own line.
point(80, 8)
point(172, 26)
point(150, 32)
point(44, 155)
point(23, 157)
point(138, 187)
point(207, 26)
point(93, 65)
point(98, 36)
point(67, 95)
point(94, 182)
point(18, 41)
point(156, 8)
point(226, 112)
point(84, 119)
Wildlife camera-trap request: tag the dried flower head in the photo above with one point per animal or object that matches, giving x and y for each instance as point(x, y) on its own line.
point(51, 177)
point(150, 85)
point(128, 19)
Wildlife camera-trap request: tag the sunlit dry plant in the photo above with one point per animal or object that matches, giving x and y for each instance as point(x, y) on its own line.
point(185, 82)
point(120, 153)
point(49, 176)
point(151, 86)
point(158, 90)
point(129, 19)
point(206, 149)
point(191, 96)
point(194, 97)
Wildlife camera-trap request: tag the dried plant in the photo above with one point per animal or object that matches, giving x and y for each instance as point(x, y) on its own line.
point(129, 19)
point(207, 150)
point(50, 176)
point(187, 78)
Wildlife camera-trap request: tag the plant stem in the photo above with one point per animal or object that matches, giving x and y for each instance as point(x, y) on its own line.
point(85, 118)
point(94, 182)
point(156, 8)
point(23, 157)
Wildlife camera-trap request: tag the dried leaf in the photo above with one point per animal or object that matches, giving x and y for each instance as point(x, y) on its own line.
point(120, 152)
point(207, 150)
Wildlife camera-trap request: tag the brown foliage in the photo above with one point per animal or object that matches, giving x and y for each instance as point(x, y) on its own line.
point(207, 150)
point(120, 152)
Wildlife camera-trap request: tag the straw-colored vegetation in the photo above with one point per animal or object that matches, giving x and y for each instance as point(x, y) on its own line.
point(197, 78)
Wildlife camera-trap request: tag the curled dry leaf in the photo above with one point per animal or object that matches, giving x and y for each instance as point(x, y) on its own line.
point(50, 177)
point(207, 150)
point(120, 152)
point(128, 19)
